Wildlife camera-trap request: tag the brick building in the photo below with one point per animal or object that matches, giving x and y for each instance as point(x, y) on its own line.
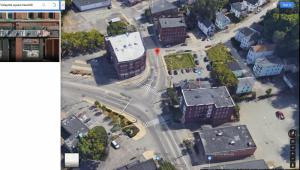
point(207, 105)
point(29, 36)
point(171, 30)
point(224, 144)
point(127, 53)
point(163, 9)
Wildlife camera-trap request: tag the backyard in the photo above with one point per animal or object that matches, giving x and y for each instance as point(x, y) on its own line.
point(179, 61)
point(219, 53)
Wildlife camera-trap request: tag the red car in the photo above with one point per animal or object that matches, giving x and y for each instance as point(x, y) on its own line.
point(280, 115)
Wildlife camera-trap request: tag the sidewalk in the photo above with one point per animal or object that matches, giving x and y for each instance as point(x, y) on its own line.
point(131, 118)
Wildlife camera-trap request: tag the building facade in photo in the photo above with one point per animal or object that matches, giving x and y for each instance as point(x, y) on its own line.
point(260, 51)
point(127, 53)
point(207, 27)
point(225, 143)
point(247, 37)
point(207, 105)
point(29, 36)
point(171, 30)
point(222, 21)
point(84, 5)
point(269, 66)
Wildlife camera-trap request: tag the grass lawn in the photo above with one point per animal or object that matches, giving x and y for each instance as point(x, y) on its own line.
point(179, 61)
point(219, 53)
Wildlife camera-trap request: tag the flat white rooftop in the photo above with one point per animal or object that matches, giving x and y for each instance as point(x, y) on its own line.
point(127, 46)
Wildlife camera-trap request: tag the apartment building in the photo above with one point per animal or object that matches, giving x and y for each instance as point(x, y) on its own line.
point(127, 53)
point(171, 30)
point(29, 36)
point(269, 66)
point(260, 51)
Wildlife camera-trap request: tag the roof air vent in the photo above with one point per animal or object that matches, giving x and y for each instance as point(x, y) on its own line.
point(232, 142)
point(219, 133)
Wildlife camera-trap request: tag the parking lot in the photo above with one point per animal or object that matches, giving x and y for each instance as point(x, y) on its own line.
point(198, 72)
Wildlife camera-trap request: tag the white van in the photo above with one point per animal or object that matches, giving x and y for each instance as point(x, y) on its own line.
point(115, 144)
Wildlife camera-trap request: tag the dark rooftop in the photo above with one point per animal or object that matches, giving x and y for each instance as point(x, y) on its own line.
point(247, 31)
point(234, 66)
point(88, 2)
point(162, 5)
point(253, 2)
point(255, 164)
point(206, 22)
point(268, 61)
point(185, 84)
point(172, 22)
point(204, 96)
point(75, 128)
point(226, 139)
point(137, 165)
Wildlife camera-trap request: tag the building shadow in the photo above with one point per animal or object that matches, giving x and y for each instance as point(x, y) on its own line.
point(89, 165)
point(103, 70)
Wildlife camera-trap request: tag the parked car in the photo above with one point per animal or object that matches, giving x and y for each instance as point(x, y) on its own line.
point(205, 59)
point(187, 70)
point(196, 62)
point(184, 44)
point(169, 72)
point(115, 145)
point(208, 67)
point(194, 70)
point(175, 72)
point(279, 115)
point(187, 50)
point(207, 46)
point(203, 39)
point(182, 71)
point(195, 56)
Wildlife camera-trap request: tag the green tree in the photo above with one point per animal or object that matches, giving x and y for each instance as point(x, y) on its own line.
point(268, 92)
point(206, 8)
point(278, 36)
point(166, 166)
point(93, 146)
point(117, 28)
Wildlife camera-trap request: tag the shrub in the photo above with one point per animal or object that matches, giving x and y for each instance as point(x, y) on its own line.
point(131, 131)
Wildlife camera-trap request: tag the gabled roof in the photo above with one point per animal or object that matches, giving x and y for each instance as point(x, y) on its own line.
point(238, 6)
point(161, 5)
point(268, 61)
point(206, 22)
point(172, 22)
point(221, 17)
point(263, 47)
point(234, 66)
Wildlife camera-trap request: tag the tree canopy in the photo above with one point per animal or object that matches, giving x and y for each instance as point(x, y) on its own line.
point(93, 146)
point(166, 166)
point(281, 26)
point(207, 8)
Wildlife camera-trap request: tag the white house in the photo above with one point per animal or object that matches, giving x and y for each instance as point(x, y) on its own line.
point(254, 4)
point(247, 37)
point(207, 27)
point(222, 21)
point(267, 66)
point(259, 51)
point(239, 9)
point(245, 85)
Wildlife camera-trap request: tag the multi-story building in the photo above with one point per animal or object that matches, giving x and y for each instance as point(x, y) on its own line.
point(222, 21)
point(239, 9)
point(245, 85)
point(247, 37)
point(163, 9)
point(29, 36)
point(127, 53)
point(171, 30)
point(254, 4)
point(259, 51)
point(207, 27)
point(207, 105)
point(268, 66)
point(224, 143)
point(84, 5)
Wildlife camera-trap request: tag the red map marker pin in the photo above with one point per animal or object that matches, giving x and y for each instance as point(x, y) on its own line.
point(157, 50)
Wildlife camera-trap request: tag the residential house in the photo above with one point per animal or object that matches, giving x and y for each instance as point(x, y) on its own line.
point(245, 81)
point(252, 5)
point(222, 21)
point(224, 143)
point(163, 9)
point(268, 66)
point(239, 9)
point(207, 105)
point(247, 37)
point(260, 51)
point(245, 85)
point(171, 30)
point(207, 27)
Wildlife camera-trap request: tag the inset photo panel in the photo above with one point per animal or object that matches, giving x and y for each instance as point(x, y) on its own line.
point(29, 36)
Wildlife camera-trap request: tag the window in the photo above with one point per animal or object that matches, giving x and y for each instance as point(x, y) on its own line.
point(51, 15)
point(40, 15)
point(10, 15)
point(30, 15)
point(1, 16)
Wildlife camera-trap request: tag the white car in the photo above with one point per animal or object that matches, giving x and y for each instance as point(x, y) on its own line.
point(115, 144)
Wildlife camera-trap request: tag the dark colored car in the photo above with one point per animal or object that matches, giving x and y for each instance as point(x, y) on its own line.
point(182, 71)
point(205, 59)
point(280, 115)
point(195, 56)
point(194, 70)
point(175, 72)
point(203, 39)
point(207, 46)
point(208, 67)
point(187, 70)
point(196, 62)
point(169, 72)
